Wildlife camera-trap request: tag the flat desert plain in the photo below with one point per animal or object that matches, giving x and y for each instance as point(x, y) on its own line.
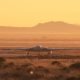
point(23, 68)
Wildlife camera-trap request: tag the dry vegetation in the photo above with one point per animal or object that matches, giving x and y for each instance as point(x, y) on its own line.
point(34, 69)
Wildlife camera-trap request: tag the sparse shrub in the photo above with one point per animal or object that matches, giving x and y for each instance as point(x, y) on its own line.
point(65, 69)
point(27, 65)
point(72, 78)
point(40, 72)
point(57, 65)
point(2, 61)
point(75, 66)
point(42, 69)
point(55, 62)
point(10, 65)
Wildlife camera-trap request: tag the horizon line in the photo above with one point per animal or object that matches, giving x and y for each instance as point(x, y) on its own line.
point(2, 26)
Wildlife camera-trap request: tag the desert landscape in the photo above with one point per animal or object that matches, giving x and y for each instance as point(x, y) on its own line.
point(39, 69)
point(39, 40)
point(62, 64)
point(22, 55)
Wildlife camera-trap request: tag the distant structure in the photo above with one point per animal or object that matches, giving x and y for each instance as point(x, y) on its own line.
point(39, 50)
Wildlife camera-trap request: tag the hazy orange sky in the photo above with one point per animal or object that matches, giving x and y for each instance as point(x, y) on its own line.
point(30, 12)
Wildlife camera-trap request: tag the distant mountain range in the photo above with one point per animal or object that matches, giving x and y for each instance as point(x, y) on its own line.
point(56, 27)
point(41, 28)
point(48, 27)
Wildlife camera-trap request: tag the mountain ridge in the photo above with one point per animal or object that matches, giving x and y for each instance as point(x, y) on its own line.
point(51, 27)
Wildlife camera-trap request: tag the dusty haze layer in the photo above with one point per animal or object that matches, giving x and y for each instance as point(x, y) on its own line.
point(48, 34)
point(60, 30)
